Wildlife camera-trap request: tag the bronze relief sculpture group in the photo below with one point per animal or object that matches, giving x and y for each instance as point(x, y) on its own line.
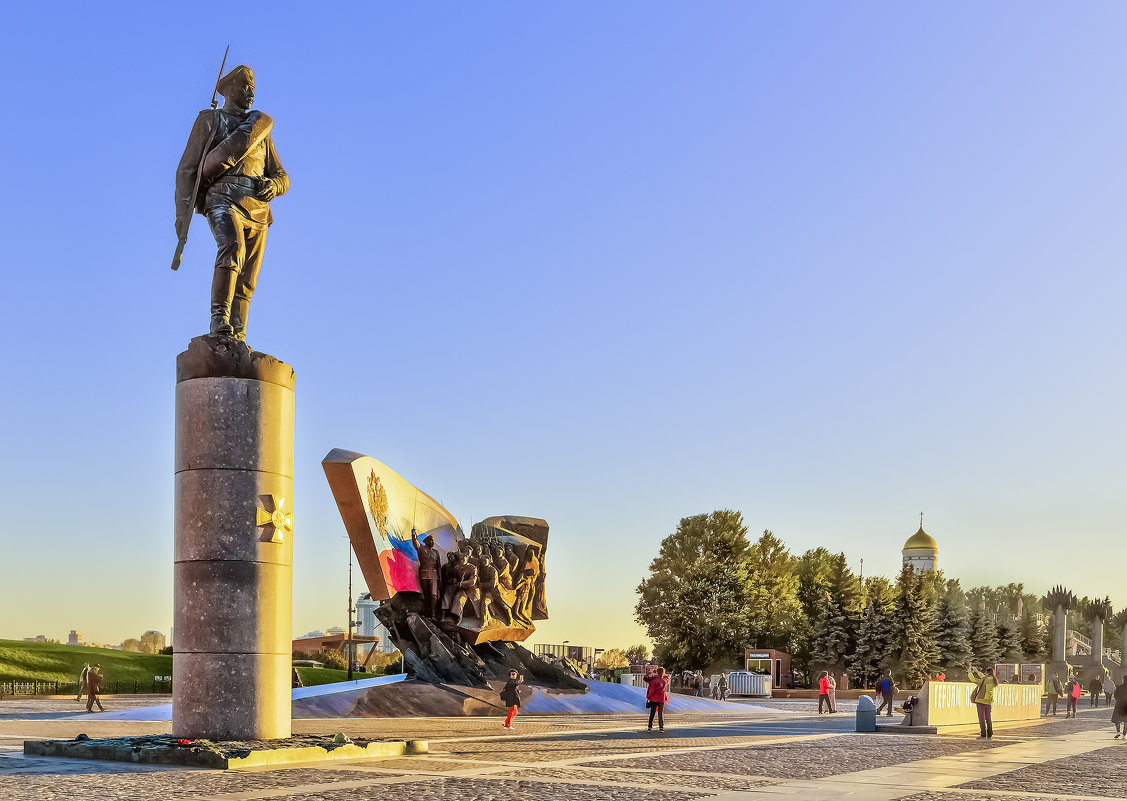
point(496, 584)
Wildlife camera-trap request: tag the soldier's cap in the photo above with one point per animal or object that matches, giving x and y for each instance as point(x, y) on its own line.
point(241, 74)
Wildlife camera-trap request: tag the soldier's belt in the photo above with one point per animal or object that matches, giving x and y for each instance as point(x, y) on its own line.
point(238, 180)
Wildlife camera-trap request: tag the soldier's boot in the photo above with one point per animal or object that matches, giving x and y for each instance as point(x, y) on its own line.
point(222, 292)
point(240, 307)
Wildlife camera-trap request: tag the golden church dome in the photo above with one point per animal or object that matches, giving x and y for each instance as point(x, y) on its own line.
point(921, 541)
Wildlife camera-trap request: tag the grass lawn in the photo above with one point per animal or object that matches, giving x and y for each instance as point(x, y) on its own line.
point(38, 661)
point(311, 676)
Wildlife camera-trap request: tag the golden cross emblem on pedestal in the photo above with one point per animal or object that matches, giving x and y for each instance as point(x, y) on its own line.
point(277, 519)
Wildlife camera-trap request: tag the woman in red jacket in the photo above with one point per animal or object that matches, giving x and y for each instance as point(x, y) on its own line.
point(657, 693)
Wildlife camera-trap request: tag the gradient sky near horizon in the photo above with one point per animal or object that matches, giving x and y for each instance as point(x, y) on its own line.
point(610, 264)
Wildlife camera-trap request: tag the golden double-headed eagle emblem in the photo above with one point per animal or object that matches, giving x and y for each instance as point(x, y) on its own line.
point(377, 503)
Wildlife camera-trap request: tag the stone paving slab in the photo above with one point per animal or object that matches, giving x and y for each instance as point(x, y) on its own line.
point(957, 796)
point(162, 785)
point(1095, 773)
point(460, 789)
point(812, 759)
point(639, 777)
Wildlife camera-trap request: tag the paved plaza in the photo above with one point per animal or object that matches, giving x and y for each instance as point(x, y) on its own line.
point(775, 749)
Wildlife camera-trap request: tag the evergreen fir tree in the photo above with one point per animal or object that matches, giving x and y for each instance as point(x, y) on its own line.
point(1009, 641)
point(915, 629)
point(1032, 640)
point(952, 629)
point(983, 639)
point(874, 634)
point(836, 627)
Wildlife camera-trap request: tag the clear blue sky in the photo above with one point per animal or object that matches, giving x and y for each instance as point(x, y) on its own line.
point(609, 264)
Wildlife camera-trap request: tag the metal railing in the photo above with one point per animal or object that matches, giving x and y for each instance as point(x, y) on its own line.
point(71, 688)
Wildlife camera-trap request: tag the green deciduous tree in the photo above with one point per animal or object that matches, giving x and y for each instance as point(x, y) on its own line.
point(772, 604)
point(611, 659)
point(813, 572)
point(638, 653)
point(695, 603)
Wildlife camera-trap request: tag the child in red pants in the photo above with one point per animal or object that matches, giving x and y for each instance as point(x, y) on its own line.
point(510, 697)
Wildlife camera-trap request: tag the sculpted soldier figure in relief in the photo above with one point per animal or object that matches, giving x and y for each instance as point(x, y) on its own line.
point(229, 173)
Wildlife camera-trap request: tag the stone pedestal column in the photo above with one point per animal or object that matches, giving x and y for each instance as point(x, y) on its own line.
point(1060, 628)
point(233, 577)
point(1098, 642)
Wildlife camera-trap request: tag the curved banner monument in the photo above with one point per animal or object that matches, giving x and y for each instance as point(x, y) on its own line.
point(455, 605)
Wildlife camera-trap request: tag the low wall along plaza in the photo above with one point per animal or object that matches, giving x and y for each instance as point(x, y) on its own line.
point(947, 703)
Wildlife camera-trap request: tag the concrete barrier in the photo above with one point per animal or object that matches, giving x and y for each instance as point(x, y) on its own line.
point(947, 703)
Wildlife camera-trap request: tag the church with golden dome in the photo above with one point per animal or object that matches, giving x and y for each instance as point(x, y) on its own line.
point(921, 551)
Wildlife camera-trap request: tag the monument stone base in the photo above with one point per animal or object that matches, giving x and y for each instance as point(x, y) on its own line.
point(233, 575)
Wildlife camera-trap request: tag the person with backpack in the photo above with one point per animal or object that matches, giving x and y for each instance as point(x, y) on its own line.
point(983, 697)
point(657, 695)
point(1072, 692)
point(1053, 691)
point(886, 689)
point(511, 698)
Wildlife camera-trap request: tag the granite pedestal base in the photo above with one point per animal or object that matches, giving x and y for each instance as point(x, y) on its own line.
point(233, 576)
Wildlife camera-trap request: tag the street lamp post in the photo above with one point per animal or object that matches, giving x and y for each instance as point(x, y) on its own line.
point(349, 653)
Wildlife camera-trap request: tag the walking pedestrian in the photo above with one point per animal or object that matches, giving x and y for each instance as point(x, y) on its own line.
point(1109, 689)
point(93, 686)
point(698, 684)
point(824, 692)
point(833, 693)
point(1119, 714)
point(82, 681)
point(722, 686)
point(1072, 690)
point(983, 697)
point(511, 698)
point(1095, 689)
point(886, 689)
point(1053, 691)
point(657, 695)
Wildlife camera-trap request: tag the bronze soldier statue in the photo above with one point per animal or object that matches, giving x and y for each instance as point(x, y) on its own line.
point(231, 164)
point(428, 572)
point(491, 603)
point(448, 581)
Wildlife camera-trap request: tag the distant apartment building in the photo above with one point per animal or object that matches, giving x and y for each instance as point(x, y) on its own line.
point(36, 638)
point(75, 637)
point(370, 626)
